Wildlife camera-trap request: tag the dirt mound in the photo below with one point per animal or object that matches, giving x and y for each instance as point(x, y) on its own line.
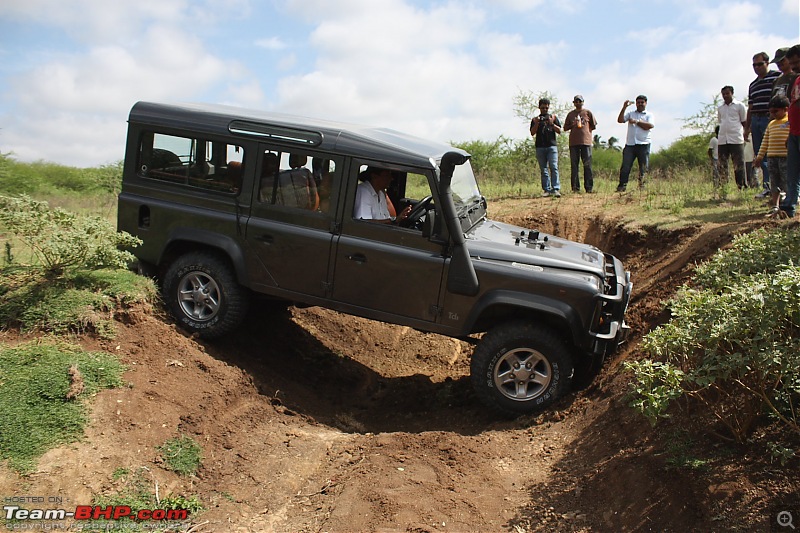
point(311, 420)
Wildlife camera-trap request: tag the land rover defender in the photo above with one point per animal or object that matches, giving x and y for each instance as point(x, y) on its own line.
point(231, 204)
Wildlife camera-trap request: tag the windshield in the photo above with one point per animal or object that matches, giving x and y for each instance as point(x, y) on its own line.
point(464, 187)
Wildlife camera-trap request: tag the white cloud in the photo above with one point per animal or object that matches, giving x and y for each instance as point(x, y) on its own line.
point(271, 43)
point(729, 17)
point(791, 6)
point(445, 70)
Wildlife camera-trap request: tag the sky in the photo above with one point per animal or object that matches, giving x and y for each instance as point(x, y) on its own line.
point(448, 71)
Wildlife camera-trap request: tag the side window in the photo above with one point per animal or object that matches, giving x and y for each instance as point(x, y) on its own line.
point(376, 193)
point(297, 180)
point(191, 162)
point(397, 190)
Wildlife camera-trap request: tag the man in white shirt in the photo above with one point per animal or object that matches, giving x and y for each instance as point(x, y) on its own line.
point(732, 116)
point(637, 143)
point(371, 201)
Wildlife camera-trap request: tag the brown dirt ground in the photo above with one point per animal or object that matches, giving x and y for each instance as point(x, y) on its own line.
point(317, 421)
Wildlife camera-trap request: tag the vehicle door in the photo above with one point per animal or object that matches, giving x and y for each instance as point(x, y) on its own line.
point(291, 222)
point(386, 270)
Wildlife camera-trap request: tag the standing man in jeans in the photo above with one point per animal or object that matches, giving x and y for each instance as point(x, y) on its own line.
point(637, 143)
point(545, 128)
point(580, 123)
point(732, 116)
point(758, 98)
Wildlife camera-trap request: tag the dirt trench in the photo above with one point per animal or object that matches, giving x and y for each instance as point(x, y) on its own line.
point(317, 421)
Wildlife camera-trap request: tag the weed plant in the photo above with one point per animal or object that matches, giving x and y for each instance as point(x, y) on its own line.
point(182, 455)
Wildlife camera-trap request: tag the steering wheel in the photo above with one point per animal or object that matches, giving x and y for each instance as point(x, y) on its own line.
point(416, 213)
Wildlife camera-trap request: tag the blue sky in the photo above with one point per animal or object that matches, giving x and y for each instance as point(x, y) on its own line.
point(71, 70)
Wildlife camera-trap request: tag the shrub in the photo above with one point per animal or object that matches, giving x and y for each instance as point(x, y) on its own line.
point(731, 343)
point(690, 151)
point(61, 239)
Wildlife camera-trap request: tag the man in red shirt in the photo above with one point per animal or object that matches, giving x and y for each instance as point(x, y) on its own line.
point(789, 204)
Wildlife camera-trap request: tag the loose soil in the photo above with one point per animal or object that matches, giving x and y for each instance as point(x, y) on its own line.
point(316, 421)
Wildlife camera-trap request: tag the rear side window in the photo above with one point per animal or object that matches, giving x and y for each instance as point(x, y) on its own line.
point(297, 179)
point(191, 162)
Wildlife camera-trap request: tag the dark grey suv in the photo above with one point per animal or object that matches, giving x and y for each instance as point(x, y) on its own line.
point(231, 204)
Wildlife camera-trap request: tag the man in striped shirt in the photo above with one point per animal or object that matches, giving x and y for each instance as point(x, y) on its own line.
point(758, 110)
point(773, 148)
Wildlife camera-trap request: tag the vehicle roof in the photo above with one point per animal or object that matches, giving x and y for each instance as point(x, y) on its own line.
point(339, 137)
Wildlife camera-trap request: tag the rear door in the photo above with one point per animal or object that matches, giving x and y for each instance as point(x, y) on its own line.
point(290, 228)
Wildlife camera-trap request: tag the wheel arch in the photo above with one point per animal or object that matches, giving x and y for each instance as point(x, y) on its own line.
point(498, 307)
point(185, 240)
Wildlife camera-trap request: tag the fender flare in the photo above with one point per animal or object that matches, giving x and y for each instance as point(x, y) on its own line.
point(209, 239)
point(559, 309)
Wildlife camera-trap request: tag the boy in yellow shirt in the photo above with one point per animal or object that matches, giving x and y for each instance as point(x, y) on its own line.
point(773, 146)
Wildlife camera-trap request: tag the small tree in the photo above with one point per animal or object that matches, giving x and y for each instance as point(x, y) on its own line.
point(705, 120)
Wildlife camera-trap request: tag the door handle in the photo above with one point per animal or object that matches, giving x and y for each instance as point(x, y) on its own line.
point(358, 258)
point(265, 238)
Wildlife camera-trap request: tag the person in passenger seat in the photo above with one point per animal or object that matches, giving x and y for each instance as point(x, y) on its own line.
point(372, 203)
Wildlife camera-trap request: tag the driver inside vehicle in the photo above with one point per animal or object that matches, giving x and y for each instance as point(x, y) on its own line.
point(372, 202)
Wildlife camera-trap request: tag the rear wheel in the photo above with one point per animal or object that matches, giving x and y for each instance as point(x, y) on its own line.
point(203, 295)
point(520, 368)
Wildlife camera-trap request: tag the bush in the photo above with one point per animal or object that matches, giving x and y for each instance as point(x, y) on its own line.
point(47, 178)
point(731, 344)
point(61, 239)
point(686, 152)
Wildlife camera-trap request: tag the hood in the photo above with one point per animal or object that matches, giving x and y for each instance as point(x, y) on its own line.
point(503, 242)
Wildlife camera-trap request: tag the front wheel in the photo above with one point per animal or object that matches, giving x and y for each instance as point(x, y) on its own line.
point(203, 295)
point(520, 368)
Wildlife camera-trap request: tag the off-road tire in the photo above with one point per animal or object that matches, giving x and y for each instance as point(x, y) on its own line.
point(203, 295)
point(515, 391)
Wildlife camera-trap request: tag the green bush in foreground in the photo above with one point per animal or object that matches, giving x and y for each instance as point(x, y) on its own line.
point(79, 281)
point(732, 342)
point(61, 239)
point(43, 386)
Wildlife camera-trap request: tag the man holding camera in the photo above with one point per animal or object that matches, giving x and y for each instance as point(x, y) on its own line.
point(637, 142)
point(544, 128)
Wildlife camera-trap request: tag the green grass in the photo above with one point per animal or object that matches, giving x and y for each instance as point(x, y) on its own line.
point(36, 380)
point(182, 455)
point(669, 200)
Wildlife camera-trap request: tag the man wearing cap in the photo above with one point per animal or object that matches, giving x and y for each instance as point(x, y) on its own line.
point(758, 110)
point(580, 123)
point(784, 81)
point(637, 143)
